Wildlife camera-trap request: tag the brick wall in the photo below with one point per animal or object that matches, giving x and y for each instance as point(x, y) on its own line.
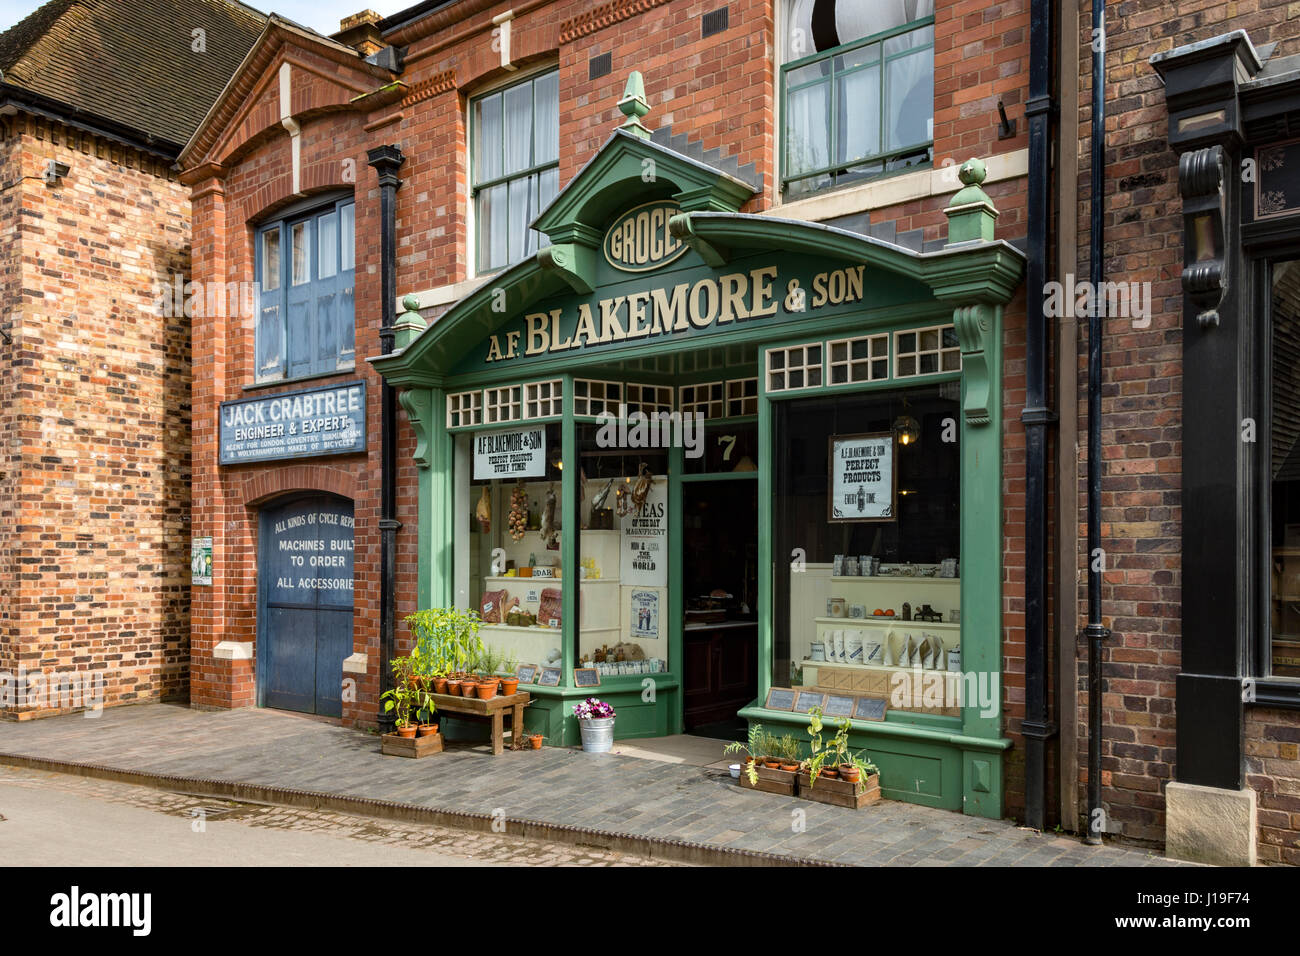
point(1141, 429)
point(94, 408)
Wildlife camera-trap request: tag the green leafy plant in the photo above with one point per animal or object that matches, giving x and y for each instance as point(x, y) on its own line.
point(755, 747)
point(398, 701)
point(836, 752)
point(446, 640)
point(787, 748)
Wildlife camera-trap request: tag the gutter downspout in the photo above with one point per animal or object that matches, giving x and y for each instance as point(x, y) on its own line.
point(1096, 631)
point(387, 160)
point(1037, 726)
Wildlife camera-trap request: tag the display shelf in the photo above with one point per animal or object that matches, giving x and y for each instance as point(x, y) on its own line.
point(515, 629)
point(504, 579)
point(886, 622)
point(892, 579)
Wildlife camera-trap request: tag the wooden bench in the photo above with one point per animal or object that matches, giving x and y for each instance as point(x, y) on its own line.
point(493, 709)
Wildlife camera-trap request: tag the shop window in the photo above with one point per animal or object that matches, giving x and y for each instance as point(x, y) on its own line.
point(742, 397)
point(506, 551)
point(649, 399)
point(861, 359)
point(516, 134)
point(857, 81)
point(863, 523)
point(592, 398)
point(799, 366)
point(306, 273)
point(1282, 653)
point(707, 399)
point(543, 399)
point(622, 507)
point(464, 408)
point(726, 446)
point(502, 404)
point(926, 351)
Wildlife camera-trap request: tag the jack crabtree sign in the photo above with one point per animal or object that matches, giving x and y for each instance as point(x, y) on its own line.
point(318, 421)
point(862, 477)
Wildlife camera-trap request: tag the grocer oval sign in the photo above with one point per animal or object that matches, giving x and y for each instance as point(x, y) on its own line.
point(639, 240)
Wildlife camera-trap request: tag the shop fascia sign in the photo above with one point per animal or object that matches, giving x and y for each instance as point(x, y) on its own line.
point(639, 242)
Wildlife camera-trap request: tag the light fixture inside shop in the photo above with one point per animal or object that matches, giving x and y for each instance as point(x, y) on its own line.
point(906, 429)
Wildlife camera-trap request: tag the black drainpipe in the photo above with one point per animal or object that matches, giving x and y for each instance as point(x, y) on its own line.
point(387, 160)
point(1096, 632)
point(1038, 727)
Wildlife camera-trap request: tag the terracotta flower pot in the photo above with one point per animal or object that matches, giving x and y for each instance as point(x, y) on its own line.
point(509, 686)
point(453, 686)
point(771, 763)
point(407, 731)
point(535, 741)
point(849, 773)
point(428, 730)
point(440, 685)
point(789, 767)
point(831, 773)
point(486, 689)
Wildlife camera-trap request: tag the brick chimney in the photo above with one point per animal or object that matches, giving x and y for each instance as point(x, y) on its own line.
point(361, 32)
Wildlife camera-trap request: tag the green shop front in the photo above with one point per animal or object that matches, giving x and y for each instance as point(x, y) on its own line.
point(715, 468)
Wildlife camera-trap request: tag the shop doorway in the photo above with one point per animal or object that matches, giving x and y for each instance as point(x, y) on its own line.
point(720, 626)
point(304, 628)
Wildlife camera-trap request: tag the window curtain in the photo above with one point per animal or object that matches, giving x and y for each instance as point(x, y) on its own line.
point(814, 26)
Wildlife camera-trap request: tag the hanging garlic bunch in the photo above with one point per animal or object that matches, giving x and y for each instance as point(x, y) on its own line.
point(517, 522)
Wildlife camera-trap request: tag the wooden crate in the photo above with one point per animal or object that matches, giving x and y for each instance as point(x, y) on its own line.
point(840, 793)
point(395, 746)
point(770, 781)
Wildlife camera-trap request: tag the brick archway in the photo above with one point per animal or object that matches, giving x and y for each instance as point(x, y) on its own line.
point(260, 487)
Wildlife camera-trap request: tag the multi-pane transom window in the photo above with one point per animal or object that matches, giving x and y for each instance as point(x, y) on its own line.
point(306, 274)
point(926, 351)
point(464, 408)
point(543, 399)
point(515, 169)
point(861, 359)
point(707, 399)
point(858, 90)
point(649, 399)
point(592, 398)
point(799, 366)
point(502, 404)
point(742, 397)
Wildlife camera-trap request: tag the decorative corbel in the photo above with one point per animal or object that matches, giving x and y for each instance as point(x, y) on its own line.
point(680, 227)
point(574, 262)
point(418, 403)
point(975, 323)
point(1204, 278)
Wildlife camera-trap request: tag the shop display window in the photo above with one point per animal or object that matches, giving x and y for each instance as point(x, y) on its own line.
point(507, 545)
point(867, 500)
point(623, 554)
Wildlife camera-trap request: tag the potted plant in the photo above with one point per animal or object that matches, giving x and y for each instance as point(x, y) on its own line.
point(535, 741)
point(399, 699)
point(757, 744)
point(446, 640)
point(787, 750)
point(596, 724)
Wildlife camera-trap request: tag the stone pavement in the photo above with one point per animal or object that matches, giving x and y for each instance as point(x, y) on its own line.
point(619, 802)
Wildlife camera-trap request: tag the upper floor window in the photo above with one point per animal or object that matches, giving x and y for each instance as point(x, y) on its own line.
point(306, 272)
point(857, 80)
point(515, 170)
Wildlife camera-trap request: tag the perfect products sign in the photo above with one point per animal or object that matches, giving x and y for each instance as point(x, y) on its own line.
point(318, 421)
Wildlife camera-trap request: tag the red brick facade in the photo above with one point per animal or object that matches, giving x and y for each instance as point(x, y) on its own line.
point(719, 90)
point(94, 414)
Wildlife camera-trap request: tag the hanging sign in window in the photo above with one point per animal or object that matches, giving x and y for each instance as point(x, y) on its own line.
point(862, 485)
point(519, 453)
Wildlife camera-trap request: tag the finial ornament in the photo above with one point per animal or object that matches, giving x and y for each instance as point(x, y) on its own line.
point(633, 105)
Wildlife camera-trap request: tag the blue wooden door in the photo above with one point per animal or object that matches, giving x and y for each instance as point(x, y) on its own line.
point(305, 613)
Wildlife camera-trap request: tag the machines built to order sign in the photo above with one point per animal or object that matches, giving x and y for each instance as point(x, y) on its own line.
point(520, 453)
point(317, 421)
point(862, 477)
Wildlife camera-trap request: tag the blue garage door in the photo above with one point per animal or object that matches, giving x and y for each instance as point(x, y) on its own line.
point(305, 606)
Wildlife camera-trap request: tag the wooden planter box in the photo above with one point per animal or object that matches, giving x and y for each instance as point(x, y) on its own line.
point(840, 793)
point(770, 781)
point(395, 746)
